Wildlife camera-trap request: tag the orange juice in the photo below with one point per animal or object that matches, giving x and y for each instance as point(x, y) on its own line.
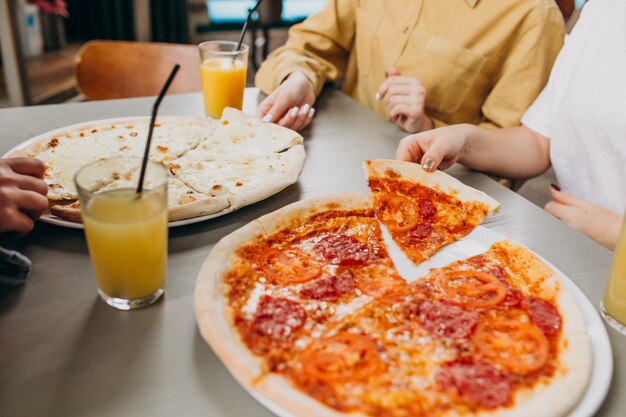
point(614, 303)
point(223, 82)
point(127, 239)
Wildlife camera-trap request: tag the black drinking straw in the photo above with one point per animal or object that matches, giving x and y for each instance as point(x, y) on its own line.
point(155, 109)
point(245, 25)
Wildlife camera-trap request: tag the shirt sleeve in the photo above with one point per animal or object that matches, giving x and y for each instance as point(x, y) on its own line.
point(525, 70)
point(319, 47)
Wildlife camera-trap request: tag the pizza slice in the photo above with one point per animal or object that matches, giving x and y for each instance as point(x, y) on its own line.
point(424, 211)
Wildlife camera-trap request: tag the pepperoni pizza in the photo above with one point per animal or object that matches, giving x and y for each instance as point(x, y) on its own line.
point(424, 211)
point(306, 309)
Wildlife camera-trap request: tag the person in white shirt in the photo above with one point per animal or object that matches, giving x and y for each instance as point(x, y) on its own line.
point(577, 125)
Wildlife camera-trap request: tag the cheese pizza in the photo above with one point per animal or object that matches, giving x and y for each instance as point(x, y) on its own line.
point(215, 165)
point(304, 307)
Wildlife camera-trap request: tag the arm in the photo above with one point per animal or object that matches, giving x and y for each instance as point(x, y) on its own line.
point(524, 70)
point(317, 50)
point(515, 152)
point(22, 193)
point(318, 47)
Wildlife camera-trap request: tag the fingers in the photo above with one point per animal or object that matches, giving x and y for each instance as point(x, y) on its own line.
point(15, 221)
point(433, 156)
point(35, 204)
point(266, 105)
point(280, 106)
point(409, 149)
point(394, 84)
point(399, 110)
point(297, 117)
point(564, 197)
point(27, 166)
point(558, 210)
point(29, 183)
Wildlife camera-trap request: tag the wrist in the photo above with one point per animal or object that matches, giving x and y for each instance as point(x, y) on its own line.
point(468, 137)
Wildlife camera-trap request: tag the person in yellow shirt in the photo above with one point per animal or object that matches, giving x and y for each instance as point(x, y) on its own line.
point(420, 63)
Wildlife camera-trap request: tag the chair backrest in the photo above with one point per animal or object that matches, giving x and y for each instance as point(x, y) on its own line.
point(118, 69)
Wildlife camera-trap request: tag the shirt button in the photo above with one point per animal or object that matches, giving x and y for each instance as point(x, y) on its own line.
point(405, 30)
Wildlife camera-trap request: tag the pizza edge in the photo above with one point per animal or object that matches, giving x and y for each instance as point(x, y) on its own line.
point(376, 168)
point(564, 390)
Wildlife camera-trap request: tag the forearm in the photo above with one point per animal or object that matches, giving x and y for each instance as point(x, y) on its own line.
point(515, 152)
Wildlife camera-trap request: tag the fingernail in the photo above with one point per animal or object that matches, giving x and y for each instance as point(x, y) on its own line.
point(311, 112)
point(305, 109)
point(429, 164)
point(556, 187)
point(268, 118)
point(294, 111)
point(377, 96)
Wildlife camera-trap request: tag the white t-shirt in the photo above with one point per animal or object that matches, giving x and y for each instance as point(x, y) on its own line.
point(582, 109)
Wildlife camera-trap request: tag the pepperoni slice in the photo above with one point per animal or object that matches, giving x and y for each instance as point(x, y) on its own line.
point(277, 317)
point(510, 340)
point(426, 209)
point(421, 231)
point(330, 288)
point(472, 289)
point(340, 358)
point(478, 383)
point(446, 320)
point(290, 266)
point(543, 314)
point(397, 212)
point(343, 250)
point(375, 280)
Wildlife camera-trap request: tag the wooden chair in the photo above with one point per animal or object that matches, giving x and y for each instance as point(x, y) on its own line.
point(118, 69)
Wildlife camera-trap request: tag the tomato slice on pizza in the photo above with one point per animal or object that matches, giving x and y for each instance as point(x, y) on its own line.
point(424, 211)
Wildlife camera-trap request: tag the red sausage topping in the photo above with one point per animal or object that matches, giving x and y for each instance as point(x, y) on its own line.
point(543, 315)
point(343, 250)
point(330, 288)
point(421, 231)
point(513, 298)
point(426, 209)
point(447, 320)
point(277, 317)
point(478, 383)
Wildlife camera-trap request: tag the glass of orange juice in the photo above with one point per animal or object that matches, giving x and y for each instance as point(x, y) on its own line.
point(126, 232)
point(614, 302)
point(223, 70)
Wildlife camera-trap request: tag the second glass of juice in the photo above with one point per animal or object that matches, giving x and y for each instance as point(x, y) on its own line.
point(223, 71)
point(126, 232)
point(614, 302)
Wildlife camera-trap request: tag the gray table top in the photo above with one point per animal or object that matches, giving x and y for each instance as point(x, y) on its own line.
point(63, 352)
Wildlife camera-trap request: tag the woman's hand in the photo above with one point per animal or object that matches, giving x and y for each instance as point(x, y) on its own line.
point(438, 148)
point(405, 98)
point(600, 224)
point(290, 105)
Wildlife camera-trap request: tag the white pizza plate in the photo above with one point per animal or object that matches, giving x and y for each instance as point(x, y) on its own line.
point(51, 219)
point(478, 241)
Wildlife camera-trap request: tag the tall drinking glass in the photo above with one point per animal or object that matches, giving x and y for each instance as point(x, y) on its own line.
point(614, 303)
point(126, 232)
point(223, 70)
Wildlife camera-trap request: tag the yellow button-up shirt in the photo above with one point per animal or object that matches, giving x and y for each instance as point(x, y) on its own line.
point(480, 61)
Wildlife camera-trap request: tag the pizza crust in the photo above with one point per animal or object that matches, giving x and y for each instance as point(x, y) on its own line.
point(382, 168)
